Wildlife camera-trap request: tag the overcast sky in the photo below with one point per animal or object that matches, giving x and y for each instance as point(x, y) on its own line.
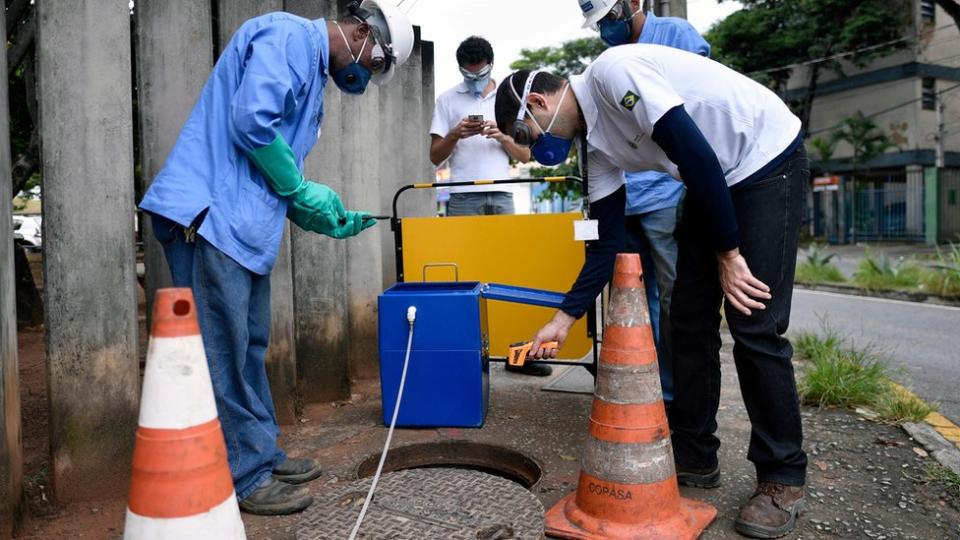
point(511, 25)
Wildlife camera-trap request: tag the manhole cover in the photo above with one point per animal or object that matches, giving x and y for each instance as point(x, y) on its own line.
point(427, 504)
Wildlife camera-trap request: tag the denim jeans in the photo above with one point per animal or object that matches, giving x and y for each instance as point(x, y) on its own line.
point(652, 236)
point(233, 308)
point(768, 214)
point(485, 203)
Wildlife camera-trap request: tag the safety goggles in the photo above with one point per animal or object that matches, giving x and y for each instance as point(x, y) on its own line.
point(476, 76)
point(381, 56)
point(620, 10)
point(522, 133)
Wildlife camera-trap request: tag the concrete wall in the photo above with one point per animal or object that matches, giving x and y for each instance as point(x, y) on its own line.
point(174, 40)
point(91, 311)
point(11, 449)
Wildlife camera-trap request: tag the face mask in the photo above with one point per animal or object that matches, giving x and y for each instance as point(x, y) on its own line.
point(617, 32)
point(354, 78)
point(477, 86)
point(549, 149)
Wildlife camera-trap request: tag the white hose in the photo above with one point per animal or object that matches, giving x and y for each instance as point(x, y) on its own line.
point(411, 317)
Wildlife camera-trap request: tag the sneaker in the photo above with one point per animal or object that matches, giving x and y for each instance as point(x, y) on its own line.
point(771, 512)
point(698, 478)
point(276, 498)
point(297, 470)
point(532, 369)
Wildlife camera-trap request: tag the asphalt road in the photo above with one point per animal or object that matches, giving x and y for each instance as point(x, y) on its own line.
point(924, 339)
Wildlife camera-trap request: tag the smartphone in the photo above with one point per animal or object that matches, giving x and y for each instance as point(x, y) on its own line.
point(476, 118)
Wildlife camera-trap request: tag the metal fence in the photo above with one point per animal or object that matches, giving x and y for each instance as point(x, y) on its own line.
point(874, 207)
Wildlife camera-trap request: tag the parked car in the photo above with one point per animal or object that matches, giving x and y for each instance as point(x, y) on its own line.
point(27, 232)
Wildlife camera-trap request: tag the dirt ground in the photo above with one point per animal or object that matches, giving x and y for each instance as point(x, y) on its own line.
point(865, 479)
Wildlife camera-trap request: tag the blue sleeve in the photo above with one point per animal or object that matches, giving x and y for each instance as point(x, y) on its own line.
point(276, 64)
point(601, 254)
point(707, 190)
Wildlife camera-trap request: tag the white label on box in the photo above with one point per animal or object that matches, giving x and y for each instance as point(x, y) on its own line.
point(586, 230)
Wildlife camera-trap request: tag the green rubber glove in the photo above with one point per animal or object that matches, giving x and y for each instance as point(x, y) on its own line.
point(313, 207)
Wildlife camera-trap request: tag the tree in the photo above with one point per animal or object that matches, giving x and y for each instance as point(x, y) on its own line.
point(768, 38)
point(570, 58)
point(864, 136)
point(952, 8)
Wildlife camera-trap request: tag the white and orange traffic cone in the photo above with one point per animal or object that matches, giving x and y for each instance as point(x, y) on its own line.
point(628, 484)
point(181, 486)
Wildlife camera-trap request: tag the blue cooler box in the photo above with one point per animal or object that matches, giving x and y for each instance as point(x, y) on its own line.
point(448, 376)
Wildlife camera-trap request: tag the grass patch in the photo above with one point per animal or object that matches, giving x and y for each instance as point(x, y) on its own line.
point(943, 274)
point(842, 375)
point(878, 273)
point(942, 475)
point(816, 266)
point(808, 273)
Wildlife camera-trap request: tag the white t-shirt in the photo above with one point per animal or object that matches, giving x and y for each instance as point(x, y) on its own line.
point(625, 92)
point(477, 157)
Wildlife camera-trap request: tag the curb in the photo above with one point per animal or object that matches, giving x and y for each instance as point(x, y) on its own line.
point(938, 435)
point(903, 296)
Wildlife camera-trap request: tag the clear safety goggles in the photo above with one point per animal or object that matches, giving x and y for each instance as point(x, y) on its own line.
point(620, 10)
point(381, 56)
point(476, 76)
point(522, 133)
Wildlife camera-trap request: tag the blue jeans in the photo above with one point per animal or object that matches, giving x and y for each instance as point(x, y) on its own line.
point(233, 308)
point(651, 235)
point(483, 203)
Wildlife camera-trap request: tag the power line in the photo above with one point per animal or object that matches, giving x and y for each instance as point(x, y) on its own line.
point(843, 54)
point(885, 111)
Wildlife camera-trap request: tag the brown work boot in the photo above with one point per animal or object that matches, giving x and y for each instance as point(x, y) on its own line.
point(771, 512)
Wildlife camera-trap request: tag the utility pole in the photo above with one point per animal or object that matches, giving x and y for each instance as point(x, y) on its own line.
point(941, 131)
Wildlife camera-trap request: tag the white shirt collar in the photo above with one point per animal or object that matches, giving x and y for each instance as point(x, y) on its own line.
point(581, 89)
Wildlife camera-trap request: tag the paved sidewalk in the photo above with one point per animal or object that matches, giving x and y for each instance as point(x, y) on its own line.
point(861, 473)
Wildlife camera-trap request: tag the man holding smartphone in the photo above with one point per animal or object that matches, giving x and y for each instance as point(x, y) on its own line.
point(464, 132)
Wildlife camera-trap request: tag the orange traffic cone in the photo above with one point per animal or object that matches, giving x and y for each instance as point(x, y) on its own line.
point(181, 486)
point(628, 485)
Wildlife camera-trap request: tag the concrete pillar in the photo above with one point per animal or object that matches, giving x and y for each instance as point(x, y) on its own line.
point(91, 338)
point(11, 449)
point(670, 8)
point(931, 198)
point(174, 45)
point(320, 262)
point(281, 360)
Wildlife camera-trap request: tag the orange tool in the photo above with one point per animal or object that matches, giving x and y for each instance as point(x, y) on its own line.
point(519, 351)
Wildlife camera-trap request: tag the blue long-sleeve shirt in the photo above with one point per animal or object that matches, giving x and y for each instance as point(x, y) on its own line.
point(269, 81)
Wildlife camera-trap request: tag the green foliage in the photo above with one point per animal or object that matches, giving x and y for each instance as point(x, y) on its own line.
point(936, 473)
point(842, 375)
point(864, 135)
point(943, 276)
point(816, 267)
point(883, 273)
point(565, 191)
point(808, 273)
point(822, 148)
point(768, 34)
point(570, 58)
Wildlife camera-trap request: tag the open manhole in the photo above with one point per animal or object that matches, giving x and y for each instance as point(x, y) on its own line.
point(485, 458)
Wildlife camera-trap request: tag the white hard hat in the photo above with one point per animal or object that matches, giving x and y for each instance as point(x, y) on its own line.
point(395, 28)
point(594, 10)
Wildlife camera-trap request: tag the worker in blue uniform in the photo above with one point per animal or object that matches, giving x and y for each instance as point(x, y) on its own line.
point(653, 197)
point(219, 205)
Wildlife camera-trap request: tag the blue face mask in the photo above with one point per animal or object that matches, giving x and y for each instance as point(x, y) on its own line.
point(549, 149)
point(477, 86)
point(616, 32)
point(354, 78)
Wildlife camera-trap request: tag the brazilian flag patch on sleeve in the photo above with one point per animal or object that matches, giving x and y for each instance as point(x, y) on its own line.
point(629, 101)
